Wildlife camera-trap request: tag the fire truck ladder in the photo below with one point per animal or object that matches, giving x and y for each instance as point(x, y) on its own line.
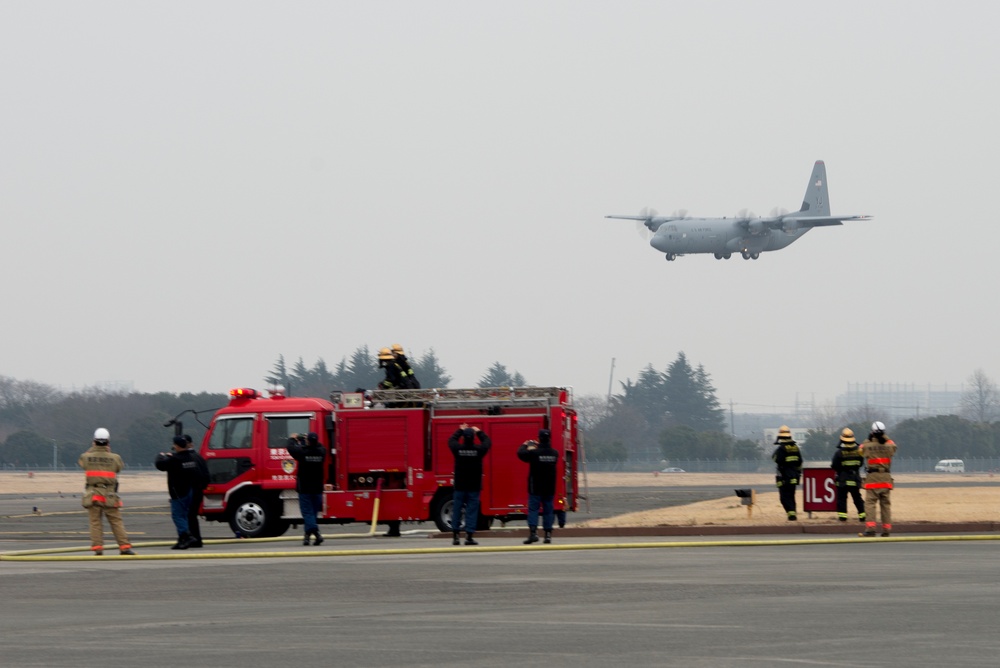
point(478, 397)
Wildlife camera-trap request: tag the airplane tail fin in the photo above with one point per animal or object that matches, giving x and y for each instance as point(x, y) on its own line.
point(817, 199)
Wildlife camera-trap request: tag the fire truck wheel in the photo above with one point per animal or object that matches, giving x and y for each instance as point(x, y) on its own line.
point(441, 512)
point(255, 516)
point(441, 509)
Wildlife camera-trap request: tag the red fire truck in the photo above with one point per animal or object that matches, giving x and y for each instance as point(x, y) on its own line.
point(388, 445)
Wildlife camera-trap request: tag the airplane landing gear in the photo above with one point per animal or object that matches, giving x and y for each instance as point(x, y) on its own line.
point(670, 257)
point(755, 256)
point(746, 255)
point(727, 255)
point(718, 256)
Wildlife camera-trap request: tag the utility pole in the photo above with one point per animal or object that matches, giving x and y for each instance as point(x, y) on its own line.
point(611, 379)
point(732, 420)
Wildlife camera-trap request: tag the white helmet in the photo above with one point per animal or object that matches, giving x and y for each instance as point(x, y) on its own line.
point(101, 434)
point(878, 427)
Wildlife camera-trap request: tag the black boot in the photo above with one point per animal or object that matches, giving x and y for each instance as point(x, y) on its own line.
point(533, 536)
point(319, 539)
point(548, 537)
point(454, 539)
point(469, 540)
point(195, 542)
point(183, 542)
point(305, 539)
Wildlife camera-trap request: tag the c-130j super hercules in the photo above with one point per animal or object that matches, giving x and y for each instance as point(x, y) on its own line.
point(744, 234)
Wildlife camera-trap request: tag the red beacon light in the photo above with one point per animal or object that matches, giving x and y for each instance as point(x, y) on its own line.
point(243, 393)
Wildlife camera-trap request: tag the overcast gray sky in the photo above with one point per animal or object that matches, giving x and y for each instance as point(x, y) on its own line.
point(190, 189)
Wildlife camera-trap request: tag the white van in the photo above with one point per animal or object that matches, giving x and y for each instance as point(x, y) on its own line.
point(950, 466)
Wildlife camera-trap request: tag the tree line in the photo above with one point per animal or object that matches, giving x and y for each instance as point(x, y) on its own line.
point(41, 426)
point(674, 415)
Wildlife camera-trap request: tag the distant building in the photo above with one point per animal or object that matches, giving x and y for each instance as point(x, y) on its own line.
point(798, 434)
point(900, 401)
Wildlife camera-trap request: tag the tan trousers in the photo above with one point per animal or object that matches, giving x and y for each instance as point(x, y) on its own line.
point(878, 497)
point(114, 516)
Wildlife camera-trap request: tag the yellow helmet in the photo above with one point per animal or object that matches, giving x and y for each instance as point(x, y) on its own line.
point(847, 435)
point(784, 432)
point(384, 354)
point(397, 349)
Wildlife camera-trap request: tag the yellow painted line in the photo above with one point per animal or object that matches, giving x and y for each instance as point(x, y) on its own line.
point(45, 555)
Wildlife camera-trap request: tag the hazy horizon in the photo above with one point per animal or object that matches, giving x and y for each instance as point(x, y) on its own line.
point(190, 190)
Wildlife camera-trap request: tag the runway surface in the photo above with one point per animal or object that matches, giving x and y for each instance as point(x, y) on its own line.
point(825, 603)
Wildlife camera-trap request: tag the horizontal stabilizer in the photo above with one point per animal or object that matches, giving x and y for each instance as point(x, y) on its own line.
point(817, 221)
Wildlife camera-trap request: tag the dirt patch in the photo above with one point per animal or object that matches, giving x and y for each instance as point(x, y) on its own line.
point(42, 482)
point(965, 499)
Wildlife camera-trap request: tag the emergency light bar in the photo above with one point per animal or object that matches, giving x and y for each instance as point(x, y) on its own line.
point(243, 393)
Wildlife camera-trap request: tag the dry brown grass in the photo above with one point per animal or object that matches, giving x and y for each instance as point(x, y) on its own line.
point(965, 500)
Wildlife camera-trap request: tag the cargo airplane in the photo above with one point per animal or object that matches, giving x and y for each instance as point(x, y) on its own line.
point(744, 233)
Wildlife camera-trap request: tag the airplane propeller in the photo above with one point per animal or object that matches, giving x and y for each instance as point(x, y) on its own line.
point(640, 225)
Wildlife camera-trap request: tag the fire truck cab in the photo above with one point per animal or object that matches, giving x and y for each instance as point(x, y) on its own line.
point(390, 445)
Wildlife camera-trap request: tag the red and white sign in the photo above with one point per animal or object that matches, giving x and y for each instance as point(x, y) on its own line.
point(819, 490)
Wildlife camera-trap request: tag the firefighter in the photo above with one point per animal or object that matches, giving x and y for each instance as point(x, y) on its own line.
point(542, 459)
point(311, 456)
point(393, 374)
point(846, 462)
point(183, 475)
point(788, 459)
point(410, 381)
point(878, 452)
point(100, 497)
point(468, 478)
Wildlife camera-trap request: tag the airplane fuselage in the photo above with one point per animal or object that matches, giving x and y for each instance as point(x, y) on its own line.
point(721, 236)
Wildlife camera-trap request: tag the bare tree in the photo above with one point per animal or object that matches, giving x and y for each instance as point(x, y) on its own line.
point(827, 418)
point(981, 402)
point(865, 414)
point(591, 408)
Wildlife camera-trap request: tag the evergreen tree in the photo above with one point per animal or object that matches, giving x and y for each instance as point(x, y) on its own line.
point(362, 370)
point(691, 397)
point(279, 374)
point(429, 371)
point(498, 376)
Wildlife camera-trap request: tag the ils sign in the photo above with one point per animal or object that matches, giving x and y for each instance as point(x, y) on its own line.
point(819, 490)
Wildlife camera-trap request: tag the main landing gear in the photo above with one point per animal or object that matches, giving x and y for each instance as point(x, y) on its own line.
point(723, 256)
point(750, 256)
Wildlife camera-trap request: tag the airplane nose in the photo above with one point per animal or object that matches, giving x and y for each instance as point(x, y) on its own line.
point(659, 242)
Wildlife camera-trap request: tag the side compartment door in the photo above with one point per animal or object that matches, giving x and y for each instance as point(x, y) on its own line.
point(505, 487)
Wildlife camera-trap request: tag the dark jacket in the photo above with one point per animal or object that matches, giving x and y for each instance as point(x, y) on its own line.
point(311, 456)
point(468, 460)
point(409, 380)
point(847, 462)
point(183, 472)
point(543, 461)
point(788, 458)
point(393, 375)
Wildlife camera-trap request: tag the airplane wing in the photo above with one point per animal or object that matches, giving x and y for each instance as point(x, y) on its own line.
point(812, 221)
point(630, 217)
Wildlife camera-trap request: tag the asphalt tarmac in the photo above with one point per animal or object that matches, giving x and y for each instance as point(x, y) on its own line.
point(689, 602)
